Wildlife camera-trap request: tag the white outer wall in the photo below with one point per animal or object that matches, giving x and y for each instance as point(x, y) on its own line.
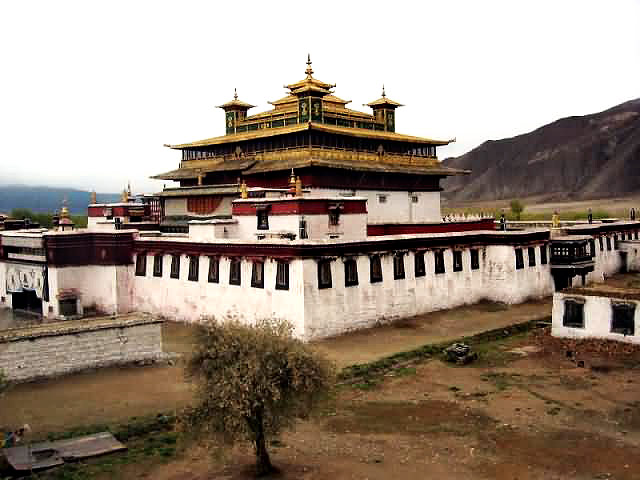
point(178, 207)
point(597, 319)
point(339, 309)
point(182, 299)
point(605, 261)
point(352, 226)
point(398, 208)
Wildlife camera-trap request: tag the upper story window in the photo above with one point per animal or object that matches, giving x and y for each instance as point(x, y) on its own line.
point(194, 267)
point(157, 265)
point(141, 264)
point(175, 266)
point(531, 253)
point(398, 266)
point(601, 243)
point(622, 318)
point(592, 247)
point(573, 314)
point(214, 270)
point(235, 271)
point(350, 272)
point(608, 243)
point(636, 235)
point(257, 275)
point(475, 259)
point(543, 254)
point(414, 198)
point(382, 199)
point(263, 219)
point(439, 261)
point(334, 216)
point(282, 276)
point(615, 242)
point(375, 264)
point(519, 258)
point(324, 274)
point(418, 260)
point(457, 260)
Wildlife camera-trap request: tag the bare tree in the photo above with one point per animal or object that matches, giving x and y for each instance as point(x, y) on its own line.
point(254, 381)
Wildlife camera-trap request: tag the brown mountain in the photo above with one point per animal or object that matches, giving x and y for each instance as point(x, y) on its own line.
point(592, 156)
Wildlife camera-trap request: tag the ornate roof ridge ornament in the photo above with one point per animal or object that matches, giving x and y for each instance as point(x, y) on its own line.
point(309, 70)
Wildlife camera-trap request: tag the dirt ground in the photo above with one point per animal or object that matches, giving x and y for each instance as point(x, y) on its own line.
point(525, 411)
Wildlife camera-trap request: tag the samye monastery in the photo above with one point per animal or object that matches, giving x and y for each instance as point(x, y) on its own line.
point(311, 212)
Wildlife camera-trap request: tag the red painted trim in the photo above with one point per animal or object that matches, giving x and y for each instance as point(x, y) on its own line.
point(300, 207)
point(95, 248)
point(408, 229)
point(118, 211)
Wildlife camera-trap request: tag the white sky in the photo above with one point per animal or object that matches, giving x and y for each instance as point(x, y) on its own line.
point(90, 91)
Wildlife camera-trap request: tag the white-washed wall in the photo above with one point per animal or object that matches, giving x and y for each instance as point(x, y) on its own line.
point(335, 310)
point(352, 226)
point(183, 299)
point(398, 207)
point(607, 262)
point(597, 318)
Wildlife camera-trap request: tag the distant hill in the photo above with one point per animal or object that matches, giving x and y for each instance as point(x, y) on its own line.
point(574, 158)
point(48, 199)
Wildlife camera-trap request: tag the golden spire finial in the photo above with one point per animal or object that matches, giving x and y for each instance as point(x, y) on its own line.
point(64, 211)
point(235, 94)
point(383, 93)
point(309, 70)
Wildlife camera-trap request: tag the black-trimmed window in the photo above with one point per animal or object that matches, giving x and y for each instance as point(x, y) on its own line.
point(622, 318)
point(573, 314)
point(257, 274)
point(375, 269)
point(438, 256)
point(282, 276)
point(175, 266)
point(350, 272)
point(615, 242)
point(214, 270)
point(636, 235)
point(519, 259)
point(531, 253)
point(457, 260)
point(398, 266)
point(592, 247)
point(157, 265)
point(419, 266)
point(141, 265)
point(601, 242)
point(194, 268)
point(324, 274)
point(475, 259)
point(235, 271)
point(543, 254)
point(263, 219)
point(608, 243)
point(334, 215)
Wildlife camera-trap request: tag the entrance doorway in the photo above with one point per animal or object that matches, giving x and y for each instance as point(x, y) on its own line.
point(27, 301)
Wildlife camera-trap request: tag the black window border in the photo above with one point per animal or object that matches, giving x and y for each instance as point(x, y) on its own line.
point(571, 324)
point(321, 265)
point(372, 260)
point(254, 273)
point(419, 265)
point(213, 275)
point(158, 259)
point(350, 262)
point(457, 261)
point(531, 254)
point(141, 265)
point(399, 272)
point(439, 267)
point(194, 268)
point(543, 255)
point(235, 265)
point(519, 258)
point(475, 262)
point(285, 284)
point(616, 307)
point(175, 267)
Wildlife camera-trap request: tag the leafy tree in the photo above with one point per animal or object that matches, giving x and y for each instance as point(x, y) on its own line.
point(254, 381)
point(517, 207)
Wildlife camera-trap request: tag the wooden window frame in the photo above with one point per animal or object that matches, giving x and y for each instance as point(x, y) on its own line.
point(158, 259)
point(141, 265)
point(399, 272)
point(531, 254)
point(282, 275)
point(235, 271)
point(375, 263)
point(519, 258)
point(350, 272)
point(213, 276)
point(324, 281)
point(194, 268)
point(571, 306)
point(618, 309)
point(419, 266)
point(457, 261)
point(257, 274)
point(175, 266)
point(439, 267)
point(544, 259)
point(475, 258)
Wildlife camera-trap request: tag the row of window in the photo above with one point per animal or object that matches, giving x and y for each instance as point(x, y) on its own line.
point(375, 267)
point(622, 316)
point(531, 251)
point(213, 275)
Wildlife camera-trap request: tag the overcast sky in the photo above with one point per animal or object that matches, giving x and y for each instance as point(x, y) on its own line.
point(90, 91)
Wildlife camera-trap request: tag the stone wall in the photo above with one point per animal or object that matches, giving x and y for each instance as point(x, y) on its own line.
point(59, 348)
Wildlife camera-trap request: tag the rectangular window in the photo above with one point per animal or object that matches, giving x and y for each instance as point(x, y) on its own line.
point(235, 275)
point(615, 242)
point(382, 199)
point(457, 260)
point(608, 243)
point(592, 247)
point(531, 252)
point(214, 270)
point(475, 259)
point(601, 243)
point(334, 217)
point(324, 274)
point(543, 254)
point(257, 275)
point(398, 266)
point(418, 260)
point(141, 265)
point(414, 198)
point(519, 259)
point(282, 276)
point(263, 219)
point(622, 318)
point(573, 314)
point(636, 235)
point(157, 265)
point(194, 267)
point(439, 261)
point(350, 272)
point(375, 264)
point(175, 266)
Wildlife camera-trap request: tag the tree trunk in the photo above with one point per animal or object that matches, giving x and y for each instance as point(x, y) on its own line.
point(263, 462)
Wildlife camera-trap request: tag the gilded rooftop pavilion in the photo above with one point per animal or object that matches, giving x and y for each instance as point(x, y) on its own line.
point(332, 148)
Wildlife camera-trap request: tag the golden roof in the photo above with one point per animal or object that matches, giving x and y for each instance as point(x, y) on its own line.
point(309, 82)
point(384, 101)
point(235, 102)
point(270, 132)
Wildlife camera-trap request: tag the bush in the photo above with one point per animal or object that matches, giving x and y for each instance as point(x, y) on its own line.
point(517, 207)
point(253, 382)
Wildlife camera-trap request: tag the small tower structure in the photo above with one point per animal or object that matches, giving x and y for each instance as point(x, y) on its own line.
point(310, 93)
point(384, 110)
point(234, 111)
point(65, 223)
